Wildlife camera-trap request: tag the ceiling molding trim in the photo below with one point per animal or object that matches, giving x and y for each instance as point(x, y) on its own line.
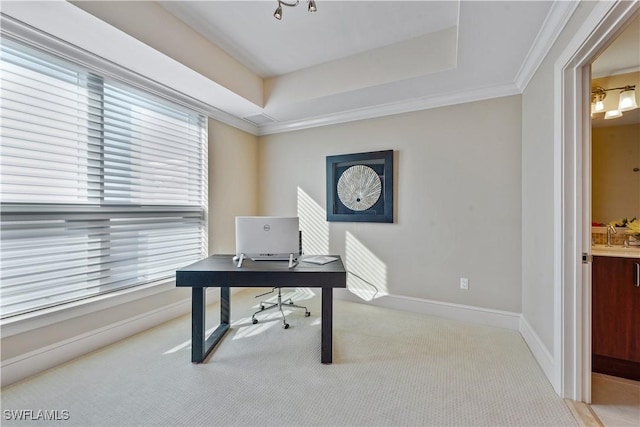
point(233, 121)
point(481, 94)
point(557, 18)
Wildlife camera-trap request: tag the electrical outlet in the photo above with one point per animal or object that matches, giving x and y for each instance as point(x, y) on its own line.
point(464, 283)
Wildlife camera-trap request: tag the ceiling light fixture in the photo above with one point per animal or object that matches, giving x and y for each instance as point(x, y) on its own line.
point(626, 102)
point(278, 13)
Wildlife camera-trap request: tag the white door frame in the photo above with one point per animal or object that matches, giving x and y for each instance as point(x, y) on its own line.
point(572, 138)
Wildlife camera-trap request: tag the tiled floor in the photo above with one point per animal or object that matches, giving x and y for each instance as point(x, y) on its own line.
point(616, 401)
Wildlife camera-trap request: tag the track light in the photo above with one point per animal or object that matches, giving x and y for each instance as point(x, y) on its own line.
point(278, 13)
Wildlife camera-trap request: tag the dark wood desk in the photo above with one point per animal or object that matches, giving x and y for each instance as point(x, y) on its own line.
point(220, 271)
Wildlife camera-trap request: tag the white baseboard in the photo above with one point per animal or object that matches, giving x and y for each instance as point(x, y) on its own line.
point(464, 313)
point(538, 349)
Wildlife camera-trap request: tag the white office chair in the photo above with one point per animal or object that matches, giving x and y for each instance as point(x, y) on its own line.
point(267, 305)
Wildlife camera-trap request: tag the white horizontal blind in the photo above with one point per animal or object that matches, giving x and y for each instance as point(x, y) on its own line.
point(102, 186)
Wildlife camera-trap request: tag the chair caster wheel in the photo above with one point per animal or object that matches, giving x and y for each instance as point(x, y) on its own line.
point(307, 314)
point(254, 321)
point(286, 326)
point(261, 307)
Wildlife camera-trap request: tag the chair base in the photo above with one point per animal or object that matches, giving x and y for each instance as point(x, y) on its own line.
point(272, 305)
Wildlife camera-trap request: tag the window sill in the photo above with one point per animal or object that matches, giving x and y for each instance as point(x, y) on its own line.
point(29, 321)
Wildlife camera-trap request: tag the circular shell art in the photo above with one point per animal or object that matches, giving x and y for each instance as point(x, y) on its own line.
point(359, 188)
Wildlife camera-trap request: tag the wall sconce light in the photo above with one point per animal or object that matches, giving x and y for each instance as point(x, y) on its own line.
point(597, 99)
point(612, 114)
point(278, 13)
point(627, 99)
point(626, 102)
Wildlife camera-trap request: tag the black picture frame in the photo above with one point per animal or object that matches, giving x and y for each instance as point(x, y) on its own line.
point(382, 210)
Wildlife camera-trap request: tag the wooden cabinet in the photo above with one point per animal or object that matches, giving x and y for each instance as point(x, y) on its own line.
point(616, 316)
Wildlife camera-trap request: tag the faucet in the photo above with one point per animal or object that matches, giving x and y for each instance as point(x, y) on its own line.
point(610, 230)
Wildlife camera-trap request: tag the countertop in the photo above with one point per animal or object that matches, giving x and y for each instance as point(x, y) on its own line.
point(615, 251)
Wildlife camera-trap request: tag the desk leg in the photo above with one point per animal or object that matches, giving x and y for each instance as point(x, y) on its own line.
point(197, 324)
point(326, 344)
point(224, 306)
point(200, 347)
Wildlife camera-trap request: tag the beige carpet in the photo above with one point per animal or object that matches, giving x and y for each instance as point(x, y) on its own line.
point(390, 369)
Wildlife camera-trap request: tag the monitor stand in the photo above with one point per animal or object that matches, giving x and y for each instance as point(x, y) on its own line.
point(292, 260)
point(239, 259)
point(292, 263)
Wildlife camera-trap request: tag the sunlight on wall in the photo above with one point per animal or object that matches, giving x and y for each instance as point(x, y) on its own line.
point(314, 225)
point(367, 276)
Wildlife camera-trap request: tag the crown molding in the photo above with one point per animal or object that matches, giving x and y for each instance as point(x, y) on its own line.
point(557, 18)
point(417, 104)
point(231, 120)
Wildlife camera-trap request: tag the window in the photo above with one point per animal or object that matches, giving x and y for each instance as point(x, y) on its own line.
point(102, 186)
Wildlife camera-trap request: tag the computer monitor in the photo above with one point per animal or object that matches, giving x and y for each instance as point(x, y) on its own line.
point(267, 237)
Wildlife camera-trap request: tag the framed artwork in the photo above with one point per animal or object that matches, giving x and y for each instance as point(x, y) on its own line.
point(360, 187)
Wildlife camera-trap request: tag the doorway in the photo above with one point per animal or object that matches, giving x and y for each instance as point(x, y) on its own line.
point(615, 201)
point(572, 324)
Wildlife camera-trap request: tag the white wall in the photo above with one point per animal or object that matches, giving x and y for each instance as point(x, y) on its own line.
point(538, 253)
point(457, 182)
point(233, 180)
